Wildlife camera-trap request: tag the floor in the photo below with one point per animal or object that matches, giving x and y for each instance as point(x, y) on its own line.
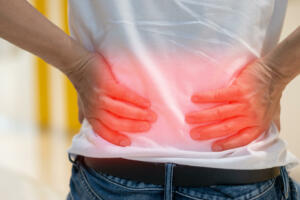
point(34, 163)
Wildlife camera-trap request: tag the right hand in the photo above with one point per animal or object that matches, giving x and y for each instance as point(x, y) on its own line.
point(109, 106)
point(248, 107)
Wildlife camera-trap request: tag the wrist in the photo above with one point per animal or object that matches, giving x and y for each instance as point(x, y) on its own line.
point(69, 55)
point(278, 80)
point(283, 60)
point(274, 82)
point(77, 71)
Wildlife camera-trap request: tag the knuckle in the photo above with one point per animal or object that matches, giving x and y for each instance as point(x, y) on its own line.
point(219, 114)
point(131, 126)
point(126, 125)
point(226, 127)
point(102, 102)
point(140, 115)
point(110, 122)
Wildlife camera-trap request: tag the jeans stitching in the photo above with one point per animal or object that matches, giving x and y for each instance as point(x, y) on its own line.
point(129, 188)
point(293, 188)
point(188, 196)
point(71, 196)
point(172, 166)
point(253, 198)
point(285, 182)
point(165, 193)
point(265, 191)
point(87, 186)
point(169, 171)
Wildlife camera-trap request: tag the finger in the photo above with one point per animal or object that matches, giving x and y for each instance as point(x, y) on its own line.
point(276, 118)
point(215, 114)
point(242, 138)
point(122, 93)
point(126, 110)
point(80, 112)
point(109, 135)
point(121, 124)
point(220, 95)
point(220, 129)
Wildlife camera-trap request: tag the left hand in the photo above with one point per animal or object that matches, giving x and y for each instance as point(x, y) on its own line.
point(247, 108)
point(108, 105)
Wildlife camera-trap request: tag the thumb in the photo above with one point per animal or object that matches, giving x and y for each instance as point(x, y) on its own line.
point(80, 110)
point(276, 118)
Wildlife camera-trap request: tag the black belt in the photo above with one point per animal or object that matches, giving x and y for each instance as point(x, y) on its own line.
point(183, 175)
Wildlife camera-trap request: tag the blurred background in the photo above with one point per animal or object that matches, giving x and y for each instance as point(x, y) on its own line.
point(38, 116)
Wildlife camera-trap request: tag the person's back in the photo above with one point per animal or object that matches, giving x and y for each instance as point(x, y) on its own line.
point(167, 51)
point(181, 98)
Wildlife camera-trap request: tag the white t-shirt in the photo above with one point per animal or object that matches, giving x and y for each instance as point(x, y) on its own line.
point(166, 50)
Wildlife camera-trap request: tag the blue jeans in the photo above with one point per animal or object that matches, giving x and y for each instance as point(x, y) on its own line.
point(88, 184)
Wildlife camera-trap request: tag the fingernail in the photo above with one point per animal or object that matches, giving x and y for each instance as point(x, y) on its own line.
point(199, 136)
point(144, 127)
point(147, 104)
point(217, 148)
point(124, 143)
point(151, 116)
point(194, 136)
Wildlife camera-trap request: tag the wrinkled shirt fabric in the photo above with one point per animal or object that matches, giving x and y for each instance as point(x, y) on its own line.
point(167, 50)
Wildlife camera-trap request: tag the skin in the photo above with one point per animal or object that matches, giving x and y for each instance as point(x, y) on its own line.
point(109, 106)
point(248, 105)
point(251, 103)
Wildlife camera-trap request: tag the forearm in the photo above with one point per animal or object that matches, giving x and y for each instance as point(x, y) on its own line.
point(24, 26)
point(284, 60)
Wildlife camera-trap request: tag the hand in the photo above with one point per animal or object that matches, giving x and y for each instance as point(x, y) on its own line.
point(107, 105)
point(245, 109)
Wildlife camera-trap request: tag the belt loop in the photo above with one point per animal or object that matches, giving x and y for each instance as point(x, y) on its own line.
point(73, 159)
point(285, 181)
point(169, 181)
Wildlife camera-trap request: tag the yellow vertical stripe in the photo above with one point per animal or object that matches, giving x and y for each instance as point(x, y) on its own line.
point(42, 81)
point(72, 122)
